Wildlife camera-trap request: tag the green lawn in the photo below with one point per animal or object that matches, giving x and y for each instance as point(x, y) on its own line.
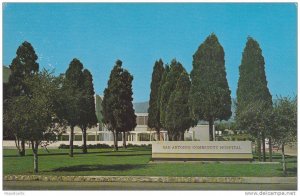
point(133, 161)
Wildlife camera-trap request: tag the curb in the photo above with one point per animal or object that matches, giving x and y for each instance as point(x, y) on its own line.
point(164, 179)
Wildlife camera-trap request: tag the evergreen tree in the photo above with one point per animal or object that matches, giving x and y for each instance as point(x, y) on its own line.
point(209, 97)
point(88, 118)
point(126, 120)
point(177, 116)
point(154, 107)
point(168, 87)
point(112, 108)
point(73, 85)
point(252, 88)
point(23, 65)
point(160, 89)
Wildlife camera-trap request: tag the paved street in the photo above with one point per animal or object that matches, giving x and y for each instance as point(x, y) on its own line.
point(38, 185)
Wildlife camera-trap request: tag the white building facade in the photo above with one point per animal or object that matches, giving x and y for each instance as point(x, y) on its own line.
point(142, 134)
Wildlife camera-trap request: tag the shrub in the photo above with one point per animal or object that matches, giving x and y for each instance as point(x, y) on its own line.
point(142, 145)
point(90, 146)
point(65, 146)
point(95, 146)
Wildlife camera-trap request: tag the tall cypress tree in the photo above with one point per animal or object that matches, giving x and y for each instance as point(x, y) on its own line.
point(73, 84)
point(160, 89)
point(177, 116)
point(88, 118)
point(209, 97)
point(126, 120)
point(252, 86)
point(168, 87)
point(24, 65)
point(154, 109)
point(111, 104)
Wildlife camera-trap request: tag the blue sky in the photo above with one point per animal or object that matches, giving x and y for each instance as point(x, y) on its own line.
point(139, 34)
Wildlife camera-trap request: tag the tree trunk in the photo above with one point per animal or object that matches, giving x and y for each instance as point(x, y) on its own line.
point(258, 151)
point(84, 148)
point(170, 136)
point(177, 137)
point(157, 134)
point(124, 139)
point(181, 136)
point(270, 149)
point(17, 143)
point(35, 147)
point(114, 136)
point(263, 140)
point(71, 141)
point(174, 137)
point(283, 160)
point(22, 152)
point(211, 129)
point(116, 141)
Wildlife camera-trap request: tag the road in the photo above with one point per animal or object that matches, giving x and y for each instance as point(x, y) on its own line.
point(39, 185)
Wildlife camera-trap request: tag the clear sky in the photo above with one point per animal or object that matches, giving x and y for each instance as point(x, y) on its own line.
point(139, 34)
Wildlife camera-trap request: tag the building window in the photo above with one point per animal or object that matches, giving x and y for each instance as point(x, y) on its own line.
point(106, 136)
point(78, 137)
point(120, 137)
point(63, 138)
point(101, 137)
point(91, 138)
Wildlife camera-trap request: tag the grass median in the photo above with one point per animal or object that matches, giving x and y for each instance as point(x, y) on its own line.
point(132, 162)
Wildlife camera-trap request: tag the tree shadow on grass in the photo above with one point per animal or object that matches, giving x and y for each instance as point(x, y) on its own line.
point(59, 153)
point(123, 155)
point(109, 150)
point(14, 156)
point(117, 167)
point(278, 158)
point(75, 153)
point(290, 171)
point(292, 161)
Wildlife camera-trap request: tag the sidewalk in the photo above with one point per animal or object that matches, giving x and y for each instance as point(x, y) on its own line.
point(161, 179)
point(142, 186)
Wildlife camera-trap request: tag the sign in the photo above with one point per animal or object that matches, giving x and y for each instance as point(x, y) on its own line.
point(210, 150)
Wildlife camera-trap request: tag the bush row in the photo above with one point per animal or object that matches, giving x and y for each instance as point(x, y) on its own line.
point(95, 146)
point(90, 146)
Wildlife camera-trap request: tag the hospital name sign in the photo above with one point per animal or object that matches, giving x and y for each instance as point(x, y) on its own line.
point(202, 149)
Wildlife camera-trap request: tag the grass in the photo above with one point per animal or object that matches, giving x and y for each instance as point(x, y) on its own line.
point(131, 162)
